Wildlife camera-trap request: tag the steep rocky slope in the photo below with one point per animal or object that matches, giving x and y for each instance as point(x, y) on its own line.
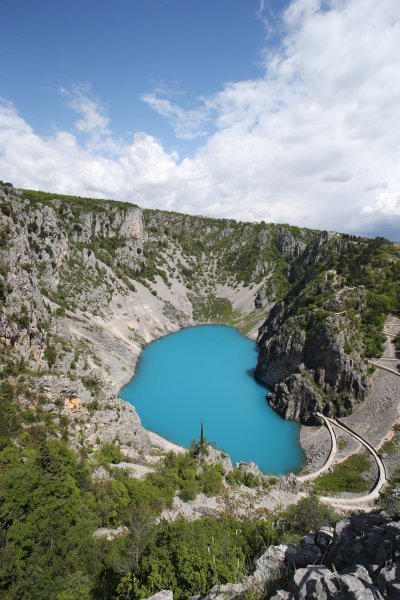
point(315, 343)
point(85, 283)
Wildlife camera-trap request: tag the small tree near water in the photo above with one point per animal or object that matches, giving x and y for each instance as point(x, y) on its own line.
point(202, 438)
point(201, 447)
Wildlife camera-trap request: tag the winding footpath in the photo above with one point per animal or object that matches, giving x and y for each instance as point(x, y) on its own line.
point(330, 459)
point(374, 493)
point(360, 502)
point(388, 369)
point(390, 354)
point(347, 502)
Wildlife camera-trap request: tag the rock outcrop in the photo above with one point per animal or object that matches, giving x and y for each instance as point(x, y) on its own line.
point(307, 367)
point(320, 583)
point(357, 560)
point(289, 245)
point(311, 356)
point(361, 562)
point(163, 595)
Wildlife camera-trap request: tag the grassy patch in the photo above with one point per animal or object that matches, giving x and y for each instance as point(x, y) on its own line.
point(390, 446)
point(212, 308)
point(248, 322)
point(346, 476)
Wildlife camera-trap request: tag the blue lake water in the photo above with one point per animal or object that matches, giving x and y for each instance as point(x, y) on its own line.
point(205, 374)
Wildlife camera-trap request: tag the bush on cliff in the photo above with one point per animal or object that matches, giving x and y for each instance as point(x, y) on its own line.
point(309, 514)
point(190, 558)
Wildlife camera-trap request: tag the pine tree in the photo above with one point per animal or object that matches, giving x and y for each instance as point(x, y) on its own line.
point(202, 439)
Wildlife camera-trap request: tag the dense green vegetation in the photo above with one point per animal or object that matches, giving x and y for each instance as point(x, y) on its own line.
point(46, 516)
point(239, 477)
point(76, 203)
point(190, 558)
point(309, 514)
point(353, 276)
point(216, 310)
point(346, 476)
point(50, 506)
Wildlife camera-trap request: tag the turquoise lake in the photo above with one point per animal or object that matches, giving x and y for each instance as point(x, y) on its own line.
point(205, 374)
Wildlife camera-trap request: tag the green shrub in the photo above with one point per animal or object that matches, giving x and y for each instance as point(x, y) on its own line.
point(189, 558)
point(309, 514)
point(109, 453)
point(91, 383)
point(239, 477)
point(50, 354)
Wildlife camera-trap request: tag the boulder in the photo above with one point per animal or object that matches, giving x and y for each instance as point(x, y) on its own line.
point(389, 580)
point(324, 538)
point(317, 582)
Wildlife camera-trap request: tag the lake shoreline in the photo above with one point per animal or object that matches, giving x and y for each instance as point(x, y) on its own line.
point(223, 347)
point(314, 441)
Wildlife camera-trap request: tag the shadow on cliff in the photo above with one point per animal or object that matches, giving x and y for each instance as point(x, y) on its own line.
point(251, 373)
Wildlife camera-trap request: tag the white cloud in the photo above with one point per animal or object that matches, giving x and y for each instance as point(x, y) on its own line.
point(93, 119)
point(387, 204)
point(187, 124)
point(315, 142)
point(263, 14)
point(58, 163)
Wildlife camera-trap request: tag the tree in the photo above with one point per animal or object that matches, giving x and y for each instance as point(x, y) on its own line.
point(202, 438)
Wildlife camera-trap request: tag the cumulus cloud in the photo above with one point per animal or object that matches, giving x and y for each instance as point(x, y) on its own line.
point(314, 142)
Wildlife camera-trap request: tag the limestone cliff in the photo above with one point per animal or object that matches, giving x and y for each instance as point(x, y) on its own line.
point(85, 283)
point(314, 344)
point(306, 365)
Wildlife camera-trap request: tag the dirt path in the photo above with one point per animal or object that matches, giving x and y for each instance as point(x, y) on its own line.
point(330, 459)
point(374, 418)
point(349, 503)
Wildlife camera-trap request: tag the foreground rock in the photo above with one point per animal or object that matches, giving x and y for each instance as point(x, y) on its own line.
point(359, 559)
point(163, 595)
point(320, 583)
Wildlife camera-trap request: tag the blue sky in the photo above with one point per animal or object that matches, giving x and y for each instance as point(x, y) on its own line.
point(123, 49)
point(275, 110)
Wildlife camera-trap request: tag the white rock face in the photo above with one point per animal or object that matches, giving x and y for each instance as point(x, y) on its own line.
point(163, 595)
point(132, 225)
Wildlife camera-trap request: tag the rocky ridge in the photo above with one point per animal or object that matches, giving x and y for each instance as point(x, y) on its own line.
point(315, 343)
point(86, 283)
